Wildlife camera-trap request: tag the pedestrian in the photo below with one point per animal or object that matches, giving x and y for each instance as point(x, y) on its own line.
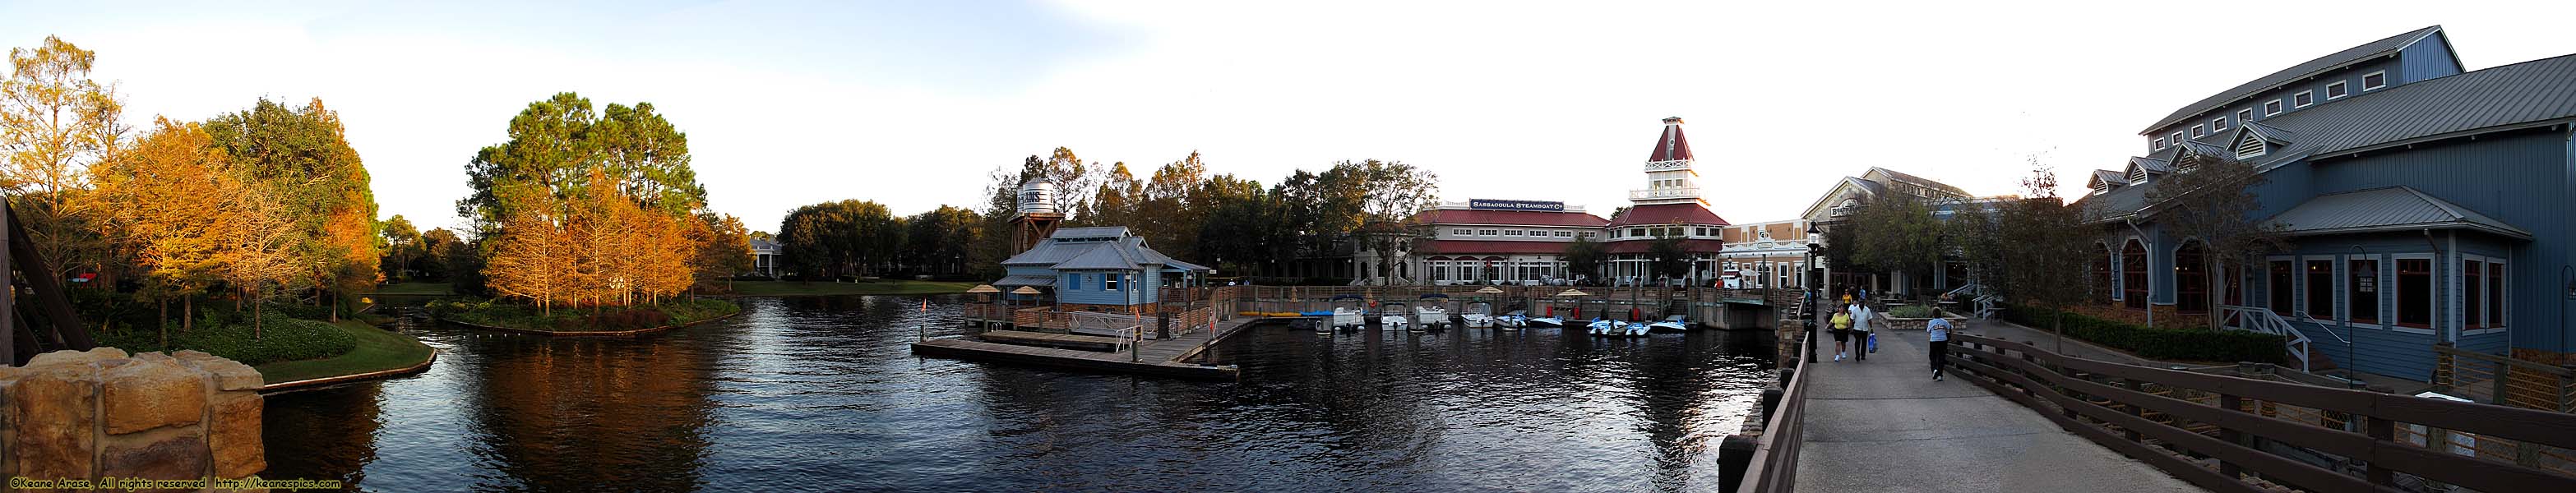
point(1939, 328)
point(1863, 329)
point(1842, 333)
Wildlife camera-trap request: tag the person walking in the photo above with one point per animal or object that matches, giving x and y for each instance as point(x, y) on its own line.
point(1939, 330)
point(1864, 330)
point(1842, 333)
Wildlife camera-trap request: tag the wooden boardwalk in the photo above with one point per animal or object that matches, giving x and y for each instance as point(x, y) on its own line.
point(1167, 357)
point(1066, 341)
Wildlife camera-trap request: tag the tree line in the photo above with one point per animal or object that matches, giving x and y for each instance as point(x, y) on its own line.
point(261, 204)
point(1181, 208)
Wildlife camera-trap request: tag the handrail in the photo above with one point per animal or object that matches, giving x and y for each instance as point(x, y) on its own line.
point(2077, 393)
point(1774, 464)
point(2255, 319)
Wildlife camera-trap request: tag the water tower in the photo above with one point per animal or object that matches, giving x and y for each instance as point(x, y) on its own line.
point(1037, 217)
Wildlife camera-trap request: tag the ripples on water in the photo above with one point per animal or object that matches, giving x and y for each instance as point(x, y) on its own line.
point(821, 394)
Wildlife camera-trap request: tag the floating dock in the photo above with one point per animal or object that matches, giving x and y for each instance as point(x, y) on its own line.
point(1165, 357)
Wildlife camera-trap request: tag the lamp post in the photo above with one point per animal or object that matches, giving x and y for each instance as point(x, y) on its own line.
point(2351, 376)
point(1814, 276)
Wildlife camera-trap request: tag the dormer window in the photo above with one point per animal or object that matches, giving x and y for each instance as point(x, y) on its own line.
point(2272, 108)
point(2374, 80)
point(2100, 186)
point(2303, 99)
point(2160, 143)
point(2250, 146)
point(2137, 175)
point(2198, 131)
point(2218, 124)
point(2245, 115)
point(2337, 90)
point(2177, 137)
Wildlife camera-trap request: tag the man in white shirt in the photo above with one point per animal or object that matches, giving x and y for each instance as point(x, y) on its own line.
point(1939, 330)
point(1861, 328)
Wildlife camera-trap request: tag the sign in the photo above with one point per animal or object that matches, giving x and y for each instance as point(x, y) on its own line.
point(1667, 165)
point(1515, 205)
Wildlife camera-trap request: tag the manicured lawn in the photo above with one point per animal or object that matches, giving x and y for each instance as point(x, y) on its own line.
point(377, 350)
point(793, 288)
point(432, 288)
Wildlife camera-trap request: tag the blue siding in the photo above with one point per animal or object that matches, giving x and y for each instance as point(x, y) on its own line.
point(2351, 77)
point(2522, 180)
point(1090, 288)
point(2381, 351)
point(2427, 59)
point(2490, 343)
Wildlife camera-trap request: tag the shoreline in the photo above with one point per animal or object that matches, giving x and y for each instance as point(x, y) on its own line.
point(586, 333)
point(332, 381)
point(378, 373)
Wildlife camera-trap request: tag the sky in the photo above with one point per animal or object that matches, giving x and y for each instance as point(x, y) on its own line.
point(912, 104)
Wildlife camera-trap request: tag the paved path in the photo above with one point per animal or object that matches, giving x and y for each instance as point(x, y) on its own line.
point(1884, 425)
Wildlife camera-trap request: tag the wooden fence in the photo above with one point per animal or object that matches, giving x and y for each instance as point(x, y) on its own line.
point(2501, 380)
point(1774, 464)
point(2228, 433)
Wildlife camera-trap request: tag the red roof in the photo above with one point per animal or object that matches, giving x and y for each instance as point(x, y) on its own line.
point(1671, 146)
point(1640, 246)
point(1510, 218)
point(1478, 247)
point(1669, 214)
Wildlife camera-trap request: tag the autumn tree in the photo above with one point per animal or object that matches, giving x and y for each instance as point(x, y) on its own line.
point(264, 250)
point(723, 250)
point(301, 157)
point(534, 261)
point(606, 199)
point(165, 205)
point(54, 123)
point(2050, 256)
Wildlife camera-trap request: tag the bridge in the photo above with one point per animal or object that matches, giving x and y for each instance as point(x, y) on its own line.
point(2015, 417)
point(53, 325)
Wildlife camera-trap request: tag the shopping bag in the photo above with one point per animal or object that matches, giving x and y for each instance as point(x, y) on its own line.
point(1873, 342)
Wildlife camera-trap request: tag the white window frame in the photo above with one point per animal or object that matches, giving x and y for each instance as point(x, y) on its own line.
point(2177, 137)
point(2310, 95)
point(1564, 234)
point(1489, 232)
point(2272, 108)
point(2344, 285)
point(1462, 232)
point(2330, 90)
point(2300, 277)
point(2198, 131)
point(2295, 269)
point(2507, 306)
point(2218, 124)
point(2160, 143)
point(2432, 301)
point(2244, 115)
point(2365, 81)
point(1109, 280)
point(1511, 232)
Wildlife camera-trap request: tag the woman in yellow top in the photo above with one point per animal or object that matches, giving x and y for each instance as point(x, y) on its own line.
point(1842, 332)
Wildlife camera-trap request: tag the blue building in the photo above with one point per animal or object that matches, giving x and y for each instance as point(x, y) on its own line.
point(1099, 268)
point(2424, 204)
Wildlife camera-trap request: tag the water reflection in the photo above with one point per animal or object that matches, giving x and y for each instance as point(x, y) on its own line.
point(820, 394)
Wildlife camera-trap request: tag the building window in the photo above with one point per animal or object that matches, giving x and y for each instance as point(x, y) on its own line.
point(2336, 90)
point(1488, 232)
point(2191, 279)
point(1461, 232)
point(1109, 282)
point(2415, 292)
point(1566, 234)
point(2218, 124)
point(2363, 285)
point(2495, 303)
point(2320, 289)
point(2473, 287)
point(2303, 99)
point(2272, 108)
point(2245, 115)
point(1511, 232)
point(1587, 235)
point(2177, 137)
point(2133, 274)
point(2160, 143)
point(2278, 286)
point(2374, 80)
point(2197, 131)
point(1636, 231)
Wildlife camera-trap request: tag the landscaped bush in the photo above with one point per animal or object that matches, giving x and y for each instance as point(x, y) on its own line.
point(281, 339)
point(1911, 311)
point(2159, 343)
point(520, 316)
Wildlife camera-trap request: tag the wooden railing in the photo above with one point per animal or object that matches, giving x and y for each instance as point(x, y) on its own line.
point(2265, 433)
point(2501, 380)
point(2256, 319)
point(1774, 464)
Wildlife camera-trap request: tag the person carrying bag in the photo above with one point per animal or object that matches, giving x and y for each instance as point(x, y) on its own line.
point(1842, 333)
point(1861, 324)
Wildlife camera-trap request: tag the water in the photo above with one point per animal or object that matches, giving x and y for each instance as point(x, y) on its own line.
point(821, 394)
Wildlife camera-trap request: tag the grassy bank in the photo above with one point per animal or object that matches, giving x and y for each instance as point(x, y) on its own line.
point(375, 350)
point(794, 288)
point(520, 316)
point(228, 335)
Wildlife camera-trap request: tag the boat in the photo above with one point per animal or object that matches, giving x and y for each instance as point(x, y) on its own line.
point(1675, 323)
point(1598, 327)
point(1547, 321)
point(1632, 329)
point(1434, 312)
point(1477, 315)
point(1349, 316)
point(1394, 315)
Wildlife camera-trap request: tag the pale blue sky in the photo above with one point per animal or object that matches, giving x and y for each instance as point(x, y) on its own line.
point(911, 103)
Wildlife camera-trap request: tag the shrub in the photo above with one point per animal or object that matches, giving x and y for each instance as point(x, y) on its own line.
point(1911, 311)
point(2159, 343)
point(513, 315)
point(281, 339)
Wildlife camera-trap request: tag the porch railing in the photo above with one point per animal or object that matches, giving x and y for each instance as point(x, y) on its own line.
point(2501, 380)
point(2262, 320)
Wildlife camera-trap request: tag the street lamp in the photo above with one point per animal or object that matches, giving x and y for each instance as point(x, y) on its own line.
point(2350, 375)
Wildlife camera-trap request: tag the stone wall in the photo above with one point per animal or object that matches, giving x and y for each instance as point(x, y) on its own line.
point(103, 413)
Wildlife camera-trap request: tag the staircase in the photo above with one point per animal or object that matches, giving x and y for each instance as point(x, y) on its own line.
point(2263, 320)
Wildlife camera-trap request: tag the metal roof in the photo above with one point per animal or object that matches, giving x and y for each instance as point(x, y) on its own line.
point(2398, 208)
point(1091, 232)
point(1101, 256)
point(2312, 67)
point(1046, 281)
point(2108, 176)
point(2525, 93)
point(1918, 181)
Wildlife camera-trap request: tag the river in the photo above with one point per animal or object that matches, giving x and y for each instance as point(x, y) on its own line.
point(822, 394)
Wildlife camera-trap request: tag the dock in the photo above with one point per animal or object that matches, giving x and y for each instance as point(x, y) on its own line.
point(1164, 357)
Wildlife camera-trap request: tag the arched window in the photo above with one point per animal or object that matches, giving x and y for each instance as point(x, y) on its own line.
point(2133, 274)
point(2101, 269)
point(2191, 278)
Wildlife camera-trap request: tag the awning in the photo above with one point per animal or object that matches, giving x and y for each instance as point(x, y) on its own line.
point(2398, 208)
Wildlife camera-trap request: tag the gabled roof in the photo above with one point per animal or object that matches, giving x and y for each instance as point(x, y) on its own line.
point(1668, 214)
point(1104, 256)
point(2398, 208)
point(1125, 253)
point(1510, 218)
point(2538, 92)
point(2156, 165)
point(2334, 61)
point(1671, 146)
point(1091, 232)
point(2101, 176)
point(2275, 135)
point(1917, 181)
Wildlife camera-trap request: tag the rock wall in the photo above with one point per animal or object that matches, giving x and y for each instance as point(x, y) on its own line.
point(102, 413)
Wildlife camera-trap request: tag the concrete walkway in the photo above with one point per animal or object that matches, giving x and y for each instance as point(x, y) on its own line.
point(1884, 425)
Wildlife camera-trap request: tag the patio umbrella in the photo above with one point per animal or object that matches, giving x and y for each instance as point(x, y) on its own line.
point(984, 289)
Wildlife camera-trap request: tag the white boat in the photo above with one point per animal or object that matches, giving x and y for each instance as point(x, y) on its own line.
point(1598, 327)
point(1350, 316)
point(1433, 314)
point(1394, 315)
point(1545, 322)
point(1512, 321)
point(1675, 323)
point(1477, 315)
point(1637, 329)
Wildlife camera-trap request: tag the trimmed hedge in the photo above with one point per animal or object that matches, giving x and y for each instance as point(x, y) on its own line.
point(281, 339)
point(1911, 311)
point(2158, 343)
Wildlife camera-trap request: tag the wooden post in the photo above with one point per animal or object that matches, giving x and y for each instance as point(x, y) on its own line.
point(2232, 403)
point(2443, 377)
point(2503, 375)
point(2133, 409)
point(2383, 430)
point(8, 302)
